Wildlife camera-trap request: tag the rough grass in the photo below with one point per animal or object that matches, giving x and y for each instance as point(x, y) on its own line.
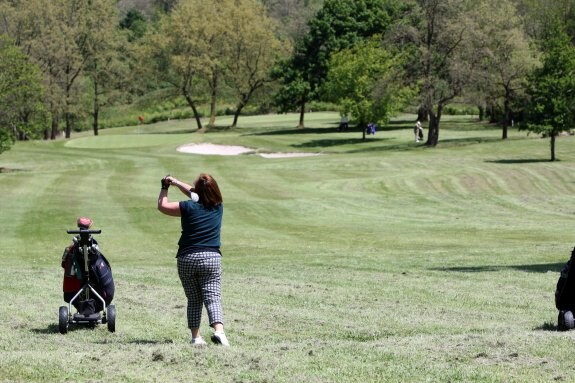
point(380, 261)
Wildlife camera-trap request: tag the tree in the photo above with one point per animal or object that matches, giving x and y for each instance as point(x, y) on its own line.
point(59, 36)
point(368, 82)
point(339, 24)
point(293, 15)
point(551, 107)
point(542, 16)
point(179, 52)
point(21, 95)
point(135, 23)
point(508, 54)
point(252, 50)
point(443, 32)
point(105, 67)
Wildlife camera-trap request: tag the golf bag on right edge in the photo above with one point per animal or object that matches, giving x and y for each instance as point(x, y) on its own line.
point(565, 295)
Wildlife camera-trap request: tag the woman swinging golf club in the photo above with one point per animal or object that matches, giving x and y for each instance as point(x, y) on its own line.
point(199, 256)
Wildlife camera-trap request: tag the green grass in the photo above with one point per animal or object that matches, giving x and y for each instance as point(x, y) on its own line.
point(379, 261)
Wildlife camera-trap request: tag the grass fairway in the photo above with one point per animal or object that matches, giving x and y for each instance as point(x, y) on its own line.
point(378, 261)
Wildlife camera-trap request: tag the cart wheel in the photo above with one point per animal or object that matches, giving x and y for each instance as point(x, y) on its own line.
point(63, 320)
point(561, 321)
point(569, 320)
point(111, 318)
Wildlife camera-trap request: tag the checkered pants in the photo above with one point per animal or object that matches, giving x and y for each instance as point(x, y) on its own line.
point(200, 274)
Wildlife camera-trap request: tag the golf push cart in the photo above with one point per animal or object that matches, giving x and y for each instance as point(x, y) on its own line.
point(88, 284)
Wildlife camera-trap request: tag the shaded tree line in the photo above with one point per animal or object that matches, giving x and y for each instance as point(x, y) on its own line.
point(68, 59)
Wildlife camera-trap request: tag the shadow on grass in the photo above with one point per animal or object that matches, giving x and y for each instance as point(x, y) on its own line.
point(179, 131)
point(547, 326)
point(451, 142)
point(54, 329)
point(148, 341)
point(535, 268)
point(339, 142)
point(142, 342)
point(404, 146)
point(519, 161)
point(9, 170)
point(50, 329)
point(283, 132)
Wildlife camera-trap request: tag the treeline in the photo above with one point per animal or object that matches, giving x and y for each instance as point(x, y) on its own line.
point(64, 60)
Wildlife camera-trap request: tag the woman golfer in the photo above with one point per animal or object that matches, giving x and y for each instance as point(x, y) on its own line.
point(199, 257)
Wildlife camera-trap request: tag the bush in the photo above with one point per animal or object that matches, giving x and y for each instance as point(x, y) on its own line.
point(460, 110)
point(319, 106)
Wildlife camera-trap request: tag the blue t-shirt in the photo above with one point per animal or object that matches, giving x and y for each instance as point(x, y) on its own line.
point(201, 227)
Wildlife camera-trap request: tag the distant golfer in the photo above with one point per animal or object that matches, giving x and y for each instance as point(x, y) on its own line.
point(199, 256)
point(418, 131)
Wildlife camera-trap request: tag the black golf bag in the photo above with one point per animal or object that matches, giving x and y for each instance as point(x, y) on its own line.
point(99, 275)
point(565, 295)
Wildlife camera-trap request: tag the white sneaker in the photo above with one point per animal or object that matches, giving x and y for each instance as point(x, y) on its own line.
point(199, 341)
point(220, 338)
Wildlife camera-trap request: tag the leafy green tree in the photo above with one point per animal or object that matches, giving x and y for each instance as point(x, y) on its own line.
point(179, 52)
point(21, 94)
point(542, 15)
point(106, 65)
point(508, 56)
point(339, 24)
point(441, 35)
point(60, 35)
point(368, 82)
point(252, 50)
point(136, 23)
point(551, 107)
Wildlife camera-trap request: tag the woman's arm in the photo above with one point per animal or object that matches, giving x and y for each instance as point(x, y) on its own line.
point(166, 207)
point(184, 187)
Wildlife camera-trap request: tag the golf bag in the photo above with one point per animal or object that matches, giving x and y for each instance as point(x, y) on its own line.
point(565, 295)
point(75, 276)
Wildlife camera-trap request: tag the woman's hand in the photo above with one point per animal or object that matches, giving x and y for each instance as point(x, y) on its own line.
point(166, 182)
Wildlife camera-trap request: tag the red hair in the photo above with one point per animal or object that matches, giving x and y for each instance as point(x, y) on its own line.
point(207, 189)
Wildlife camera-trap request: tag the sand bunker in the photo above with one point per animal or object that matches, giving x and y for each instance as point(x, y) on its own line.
point(231, 150)
point(218, 150)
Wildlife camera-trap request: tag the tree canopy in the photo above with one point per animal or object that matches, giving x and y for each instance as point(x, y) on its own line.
point(338, 25)
point(367, 81)
point(480, 52)
point(21, 95)
point(551, 107)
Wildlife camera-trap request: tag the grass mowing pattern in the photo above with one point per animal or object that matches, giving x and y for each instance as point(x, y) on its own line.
point(379, 261)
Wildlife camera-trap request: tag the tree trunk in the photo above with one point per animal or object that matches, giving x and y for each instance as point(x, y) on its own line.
point(422, 114)
point(301, 114)
point(96, 109)
point(192, 105)
point(481, 109)
point(244, 99)
point(68, 124)
point(237, 114)
point(96, 118)
point(552, 142)
point(507, 112)
point(213, 99)
point(54, 129)
point(433, 132)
